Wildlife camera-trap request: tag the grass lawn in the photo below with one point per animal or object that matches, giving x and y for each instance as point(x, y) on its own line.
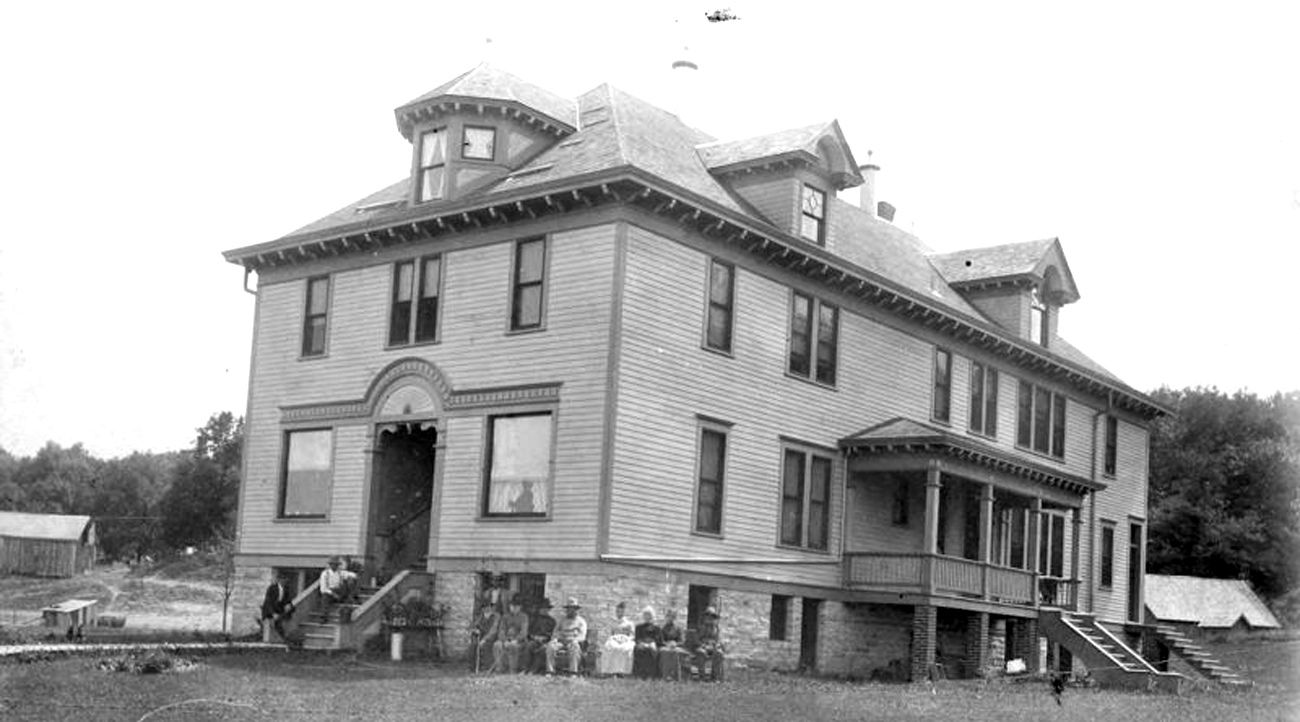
point(307, 686)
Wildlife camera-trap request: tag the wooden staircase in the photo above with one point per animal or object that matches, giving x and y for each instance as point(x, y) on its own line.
point(1197, 658)
point(324, 630)
point(347, 626)
point(1109, 660)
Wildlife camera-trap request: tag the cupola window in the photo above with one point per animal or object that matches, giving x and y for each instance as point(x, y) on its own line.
point(813, 207)
point(1038, 314)
point(433, 164)
point(480, 143)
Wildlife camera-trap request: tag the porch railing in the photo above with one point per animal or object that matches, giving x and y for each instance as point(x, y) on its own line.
point(1055, 592)
point(938, 574)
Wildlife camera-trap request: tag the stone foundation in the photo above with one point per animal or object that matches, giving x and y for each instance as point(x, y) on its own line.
point(245, 611)
point(864, 641)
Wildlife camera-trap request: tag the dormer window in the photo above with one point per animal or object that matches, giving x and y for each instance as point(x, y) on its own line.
point(433, 164)
point(1038, 317)
point(480, 143)
point(813, 208)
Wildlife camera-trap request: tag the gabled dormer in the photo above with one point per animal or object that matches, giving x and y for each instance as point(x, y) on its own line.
point(1019, 286)
point(788, 177)
point(477, 128)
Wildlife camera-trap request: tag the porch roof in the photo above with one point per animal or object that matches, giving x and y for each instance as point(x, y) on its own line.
point(901, 435)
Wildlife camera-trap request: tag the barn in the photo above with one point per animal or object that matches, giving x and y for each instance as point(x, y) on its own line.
point(46, 545)
point(1201, 607)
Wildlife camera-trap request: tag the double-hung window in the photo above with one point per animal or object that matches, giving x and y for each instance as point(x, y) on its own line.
point(1107, 553)
point(722, 289)
point(518, 474)
point(308, 473)
point(1051, 545)
point(432, 177)
point(814, 338)
point(1040, 423)
point(709, 477)
point(1112, 446)
point(414, 314)
point(529, 285)
point(941, 403)
point(813, 215)
point(1039, 326)
point(316, 316)
point(805, 499)
point(983, 399)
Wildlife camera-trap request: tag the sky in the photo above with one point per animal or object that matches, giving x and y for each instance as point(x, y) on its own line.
point(1159, 141)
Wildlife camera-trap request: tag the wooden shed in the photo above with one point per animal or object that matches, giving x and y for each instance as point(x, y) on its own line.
point(46, 545)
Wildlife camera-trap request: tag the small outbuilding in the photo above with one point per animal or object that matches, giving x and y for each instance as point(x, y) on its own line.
point(1199, 606)
point(46, 545)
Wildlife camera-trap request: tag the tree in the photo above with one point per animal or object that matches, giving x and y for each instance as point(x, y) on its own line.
point(199, 507)
point(127, 501)
point(12, 497)
point(1225, 487)
point(59, 480)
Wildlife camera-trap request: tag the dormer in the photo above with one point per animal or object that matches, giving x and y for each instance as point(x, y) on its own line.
point(788, 177)
point(478, 128)
point(1019, 286)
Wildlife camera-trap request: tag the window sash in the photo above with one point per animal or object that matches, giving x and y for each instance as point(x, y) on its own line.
point(480, 131)
point(983, 399)
point(1107, 555)
point(805, 500)
point(801, 335)
point(1041, 422)
point(316, 316)
point(792, 489)
point(813, 214)
point(426, 312)
point(518, 477)
point(308, 473)
point(712, 468)
point(530, 278)
point(1112, 445)
point(819, 503)
point(411, 316)
point(942, 403)
point(828, 321)
point(721, 300)
point(814, 345)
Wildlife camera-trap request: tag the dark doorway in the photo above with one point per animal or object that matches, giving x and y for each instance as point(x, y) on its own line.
point(1136, 567)
point(699, 599)
point(808, 635)
point(401, 495)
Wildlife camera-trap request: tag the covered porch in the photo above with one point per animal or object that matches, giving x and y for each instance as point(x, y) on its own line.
point(932, 515)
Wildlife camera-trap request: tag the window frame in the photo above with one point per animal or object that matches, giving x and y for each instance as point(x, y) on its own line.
point(516, 286)
point(489, 433)
point(464, 142)
point(805, 191)
point(1106, 575)
point(419, 265)
point(723, 431)
point(285, 451)
point(778, 628)
point(712, 306)
point(421, 168)
point(1110, 453)
point(805, 499)
point(305, 350)
point(814, 343)
point(986, 404)
point(941, 386)
point(1029, 422)
point(1051, 550)
point(1039, 315)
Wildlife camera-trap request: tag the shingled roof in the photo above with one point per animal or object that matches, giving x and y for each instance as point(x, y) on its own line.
point(721, 156)
point(485, 82)
point(60, 527)
point(1209, 603)
point(1005, 261)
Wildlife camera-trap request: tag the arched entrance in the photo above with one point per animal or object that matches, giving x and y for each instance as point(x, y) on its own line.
point(403, 472)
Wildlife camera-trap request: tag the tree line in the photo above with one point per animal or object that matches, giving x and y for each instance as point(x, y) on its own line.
point(144, 504)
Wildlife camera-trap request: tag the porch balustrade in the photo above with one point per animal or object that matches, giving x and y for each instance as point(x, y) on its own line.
point(1054, 592)
point(939, 574)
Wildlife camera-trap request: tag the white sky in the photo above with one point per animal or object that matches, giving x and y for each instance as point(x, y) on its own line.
point(139, 140)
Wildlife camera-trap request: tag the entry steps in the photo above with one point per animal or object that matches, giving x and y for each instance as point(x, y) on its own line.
point(1197, 658)
point(323, 630)
point(1109, 660)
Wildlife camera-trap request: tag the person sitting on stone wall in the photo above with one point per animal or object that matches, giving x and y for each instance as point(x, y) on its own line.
point(673, 655)
point(709, 655)
point(648, 638)
point(570, 633)
point(512, 638)
point(541, 626)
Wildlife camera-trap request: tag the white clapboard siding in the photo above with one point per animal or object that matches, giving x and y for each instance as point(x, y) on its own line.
point(1124, 499)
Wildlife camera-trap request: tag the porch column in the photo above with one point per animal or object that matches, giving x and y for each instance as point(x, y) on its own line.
point(986, 536)
point(1035, 530)
point(1076, 521)
point(932, 484)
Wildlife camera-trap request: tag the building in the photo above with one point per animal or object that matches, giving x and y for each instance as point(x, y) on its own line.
point(1198, 606)
point(584, 346)
point(46, 545)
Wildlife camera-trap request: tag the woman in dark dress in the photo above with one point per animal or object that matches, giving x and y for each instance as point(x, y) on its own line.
point(673, 654)
point(645, 656)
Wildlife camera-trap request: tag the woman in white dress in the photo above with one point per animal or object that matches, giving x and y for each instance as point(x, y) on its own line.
point(616, 654)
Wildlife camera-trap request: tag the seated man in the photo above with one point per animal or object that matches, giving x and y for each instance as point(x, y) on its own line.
point(512, 637)
point(570, 633)
point(672, 654)
point(541, 627)
point(708, 656)
point(485, 633)
point(333, 585)
point(277, 605)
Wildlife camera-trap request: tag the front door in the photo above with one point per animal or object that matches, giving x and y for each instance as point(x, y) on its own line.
point(808, 635)
point(401, 496)
point(1136, 568)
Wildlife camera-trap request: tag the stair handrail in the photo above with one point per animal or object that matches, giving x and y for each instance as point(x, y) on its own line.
point(308, 599)
point(1127, 649)
point(379, 595)
point(1069, 623)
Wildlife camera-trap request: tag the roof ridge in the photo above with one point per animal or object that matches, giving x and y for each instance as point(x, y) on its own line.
point(615, 108)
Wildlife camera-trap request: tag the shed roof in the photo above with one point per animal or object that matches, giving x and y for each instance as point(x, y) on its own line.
point(23, 525)
point(1213, 603)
